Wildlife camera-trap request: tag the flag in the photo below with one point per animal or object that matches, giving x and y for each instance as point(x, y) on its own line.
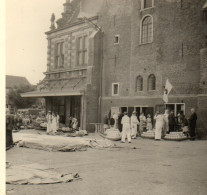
point(168, 88)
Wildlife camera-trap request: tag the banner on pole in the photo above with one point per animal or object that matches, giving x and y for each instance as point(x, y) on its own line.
point(168, 88)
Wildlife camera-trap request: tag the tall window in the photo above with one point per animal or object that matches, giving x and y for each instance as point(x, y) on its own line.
point(151, 85)
point(139, 83)
point(115, 89)
point(146, 30)
point(82, 50)
point(146, 4)
point(59, 54)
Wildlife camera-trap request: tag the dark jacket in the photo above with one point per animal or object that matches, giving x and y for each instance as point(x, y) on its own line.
point(112, 121)
point(171, 119)
point(9, 122)
point(192, 120)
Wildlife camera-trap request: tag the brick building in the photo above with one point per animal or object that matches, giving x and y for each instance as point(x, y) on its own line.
point(119, 56)
point(147, 41)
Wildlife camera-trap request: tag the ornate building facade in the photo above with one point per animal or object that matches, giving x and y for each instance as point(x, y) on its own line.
point(116, 56)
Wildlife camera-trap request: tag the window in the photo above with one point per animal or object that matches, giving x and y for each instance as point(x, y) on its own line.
point(116, 39)
point(59, 54)
point(139, 83)
point(115, 89)
point(147, 4)
point(146, 30)
point(176, 107)
point(151, 82)
point(82, 51)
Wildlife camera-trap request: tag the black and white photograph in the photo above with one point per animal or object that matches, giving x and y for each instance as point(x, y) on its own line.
point(104, 97)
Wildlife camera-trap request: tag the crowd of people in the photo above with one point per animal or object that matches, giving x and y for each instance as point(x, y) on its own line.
point(53, 123)
point(164, 122)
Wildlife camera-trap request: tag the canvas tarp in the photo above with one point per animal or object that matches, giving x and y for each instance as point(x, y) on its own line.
point(59, 143)
point(36, 174)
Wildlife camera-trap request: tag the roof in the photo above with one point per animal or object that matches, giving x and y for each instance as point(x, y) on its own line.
point(79, 9)
point(53, 93)
point(12, 81)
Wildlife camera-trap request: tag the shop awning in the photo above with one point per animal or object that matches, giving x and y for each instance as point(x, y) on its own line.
point(51, 93)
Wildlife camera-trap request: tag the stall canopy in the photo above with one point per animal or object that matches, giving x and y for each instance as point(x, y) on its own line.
point(51, 93)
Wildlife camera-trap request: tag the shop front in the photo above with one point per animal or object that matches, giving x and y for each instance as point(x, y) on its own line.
point(66, 105)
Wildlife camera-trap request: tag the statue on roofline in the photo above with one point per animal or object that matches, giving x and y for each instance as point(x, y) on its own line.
point(52, 27)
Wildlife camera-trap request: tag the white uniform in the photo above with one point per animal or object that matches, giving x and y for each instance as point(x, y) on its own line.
point(126, 132)
point(134, 123)
point(115, 117)
point(58, 119)
point(54, 124)
point(49, 123)
point(159, 125)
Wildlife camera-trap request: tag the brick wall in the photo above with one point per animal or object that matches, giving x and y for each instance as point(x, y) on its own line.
point(178, 36)
point(93, 83)
point(179, 30)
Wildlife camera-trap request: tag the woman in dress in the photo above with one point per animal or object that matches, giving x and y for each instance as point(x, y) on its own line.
point(58, 120)
point(54, 123)
point(75, 124)
point(49, 122)
point(142, 120)
point(149, 122)
point(134, 123)
point(159, 125)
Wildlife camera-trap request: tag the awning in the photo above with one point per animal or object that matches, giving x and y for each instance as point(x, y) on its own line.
point(51, 93)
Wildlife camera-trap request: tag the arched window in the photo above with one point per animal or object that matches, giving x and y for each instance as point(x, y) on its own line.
point(151, 84)
point(139, 83)
point(146, 30)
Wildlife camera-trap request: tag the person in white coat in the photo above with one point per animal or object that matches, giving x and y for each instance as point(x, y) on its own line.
point(159, 125)
point(126, 132)
point(54, 123)
point(134, 124)
point(142, 123)
point(49, 122)
point(58, 120)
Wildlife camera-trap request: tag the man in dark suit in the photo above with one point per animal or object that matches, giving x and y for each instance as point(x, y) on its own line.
point(119, 122)
point(9, 128)
point(192, 124)
point(171, 119)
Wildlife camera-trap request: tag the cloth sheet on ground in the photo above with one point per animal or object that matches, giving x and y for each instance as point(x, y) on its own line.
point(59, 143)
point(36, 174)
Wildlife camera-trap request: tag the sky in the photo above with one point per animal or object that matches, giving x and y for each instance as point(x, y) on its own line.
point(26, 43)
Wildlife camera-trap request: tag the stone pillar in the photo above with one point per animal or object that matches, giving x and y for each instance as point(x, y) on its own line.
point(48, 55)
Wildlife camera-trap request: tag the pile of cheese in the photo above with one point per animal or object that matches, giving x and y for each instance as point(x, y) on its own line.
point(148, 134)
point(175, 136)
point(113, 134)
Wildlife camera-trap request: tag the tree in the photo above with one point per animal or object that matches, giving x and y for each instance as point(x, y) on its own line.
point(19, 102)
